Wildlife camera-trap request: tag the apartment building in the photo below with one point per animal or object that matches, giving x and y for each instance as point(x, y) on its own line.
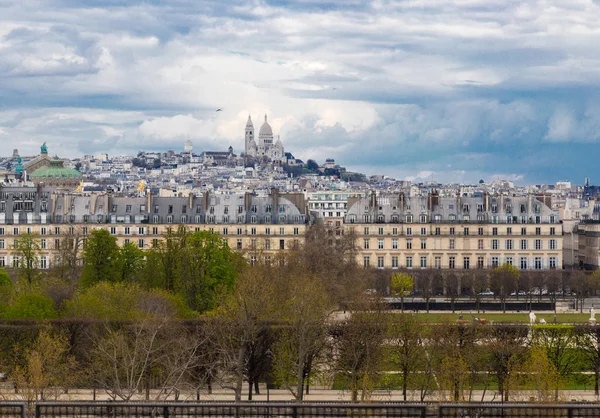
point(398, 231)
point(265, 224)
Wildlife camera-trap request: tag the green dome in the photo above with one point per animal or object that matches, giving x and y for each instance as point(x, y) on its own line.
point(56, 170)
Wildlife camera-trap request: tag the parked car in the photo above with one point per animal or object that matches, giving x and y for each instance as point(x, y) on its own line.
point(486, 293)
point(519, 293)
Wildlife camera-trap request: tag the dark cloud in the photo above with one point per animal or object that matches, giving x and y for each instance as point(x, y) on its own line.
point(476, 88)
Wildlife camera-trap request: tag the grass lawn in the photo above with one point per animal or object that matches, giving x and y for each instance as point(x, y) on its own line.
point(512, 317)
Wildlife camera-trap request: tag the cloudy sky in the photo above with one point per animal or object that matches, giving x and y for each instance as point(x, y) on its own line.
point(417, 89)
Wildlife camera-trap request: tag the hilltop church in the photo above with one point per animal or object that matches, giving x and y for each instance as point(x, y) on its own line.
point(265, 147)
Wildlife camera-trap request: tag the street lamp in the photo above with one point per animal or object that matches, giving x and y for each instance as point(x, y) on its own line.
point(269, 355)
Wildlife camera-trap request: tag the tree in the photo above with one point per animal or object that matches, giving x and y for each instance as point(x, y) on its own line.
point(47, 369)
point(199, 266)
point(584, 285)
point(31, 306)
point(504, 281)
point(541, 374)
point(587, 339)
point(506, 347)
point(129, 263)
point(27, 249)
point(557, 341)
point(406, 339)
point(154, 349)
point(479, 283)
point(312, 165)
point(402, 284)
point(452, 289)
point(100, 256)
point(360, 348)
point(69, 256)
point(239, 322)
point(303, 338)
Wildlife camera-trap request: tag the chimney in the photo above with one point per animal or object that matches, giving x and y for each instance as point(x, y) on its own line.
point(93, 200)
point(149, 201)
point(373, 202)
point(275, 197)
point(190, 201)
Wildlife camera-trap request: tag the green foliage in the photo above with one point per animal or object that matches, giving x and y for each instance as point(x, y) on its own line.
point(5, 279)
point(31, 306)
point(27, 248)
point(130, 262)
point(402, 284)
point(100, 258)
point(121, 301)
point(199, 266)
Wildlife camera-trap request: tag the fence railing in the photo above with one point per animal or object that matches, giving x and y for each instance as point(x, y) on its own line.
point(517, 411)
point(215, 409)
point(12, 410)
point(293, 410)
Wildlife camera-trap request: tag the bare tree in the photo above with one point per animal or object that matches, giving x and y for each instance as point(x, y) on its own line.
point(360, 349)
point(406, 341)
point(68, 248)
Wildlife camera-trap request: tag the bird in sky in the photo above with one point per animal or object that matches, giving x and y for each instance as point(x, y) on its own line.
point(219, 110)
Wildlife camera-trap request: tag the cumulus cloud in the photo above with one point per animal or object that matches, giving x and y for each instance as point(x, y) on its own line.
point(462, 90)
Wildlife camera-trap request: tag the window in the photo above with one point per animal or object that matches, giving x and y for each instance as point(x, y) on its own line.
point(127, 240)
point(523, 263)
point(380, 232)
point(423, 219)
point(282, 244)
point(154, 230)
point(538, 244)
point(113, 230)
point(480, 244)
point(267, 244)
point(252, 231)
point(240, 231)
point(509, 261)
point(423, 262)
point(128, 208)
point(509, 231)
point(366, 230)
point(409, 243)
point(423, 243)
point(523, 231)
point(42, 231)
point(552, 244)
point(296, 231)
point(494, 262)
point(225, 231)
point(43, 262)
point(366, 244)
point(537, 263)
point(394, 231)
point(523, 244)
point(127, 230)
point(451, 262)
point(480, 262)
point(494, 231)
point(466, 263)
point(43, 244)
point(509, 244)
point(380, 243)
point(267, 231)
point(2, 244)
point(380, 263)
point(451, 246)
point(239, 243)
point(140, 243)
point(552, 262)
point(465, 231)
point(423, 231)
point(479, 231)
point(538, 231)
point(552, 231)
point(438, 262)
point(141, 230)
point(437, 230)
point(408, 231)
point(366, 261)
point(394, 243)
point(494, 244)
point(409, 262)
point(394, 261)
point(452, 231)
point(281, 231)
